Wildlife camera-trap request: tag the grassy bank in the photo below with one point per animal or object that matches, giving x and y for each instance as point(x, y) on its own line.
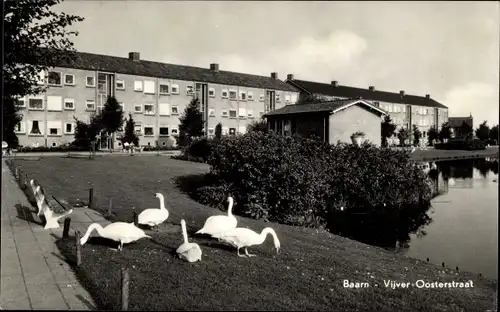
point(307, 274)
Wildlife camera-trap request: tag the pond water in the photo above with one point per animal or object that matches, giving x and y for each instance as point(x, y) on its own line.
point(464, 228)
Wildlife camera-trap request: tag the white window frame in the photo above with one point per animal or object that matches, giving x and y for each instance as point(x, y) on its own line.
point(122, 105)
point(138, 111)
point(250, 113)
point(61, 77)
point(22, 123)
point(235, 113)
point(138, 86)
point(87, 102)
point(211, 92)
point(122, 82)
point(152, 113)
point(41, 126)
point(226, 91)
point(241, 130)
point(277, 97)
point(140, 133)
point(149, 126)
point(287, 98)
point(242, 113)
point(87, 82)
point(211, 112)
point(68, 100)
point(225, 130)
point(235, 94)
point(174, 131)
point(189, 90)
point(163, 113)
point(262, 97)
point(211, 131)
point(72, 128)
point(224, 113)
point(40, 97)
point(59, 132)
point(174, 88)
point(163, 135)
point(250, 96)
point(293, 98)
point(163, 84)
point(42, 77)
point(149, 87)
point(242, 96)
point(61, 104)
point(21, 99)
point(69, 84)
point(172, 110)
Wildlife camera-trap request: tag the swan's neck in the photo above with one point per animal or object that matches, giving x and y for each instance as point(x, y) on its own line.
point(93, 226)
point(184, 233)
point(230, 208)
point(162, 202)
point(265, 232)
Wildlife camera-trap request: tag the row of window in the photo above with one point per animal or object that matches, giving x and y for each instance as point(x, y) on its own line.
point(56, 78)
point(402, 109)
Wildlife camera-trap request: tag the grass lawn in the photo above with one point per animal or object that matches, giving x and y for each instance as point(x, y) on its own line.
point(307, 274)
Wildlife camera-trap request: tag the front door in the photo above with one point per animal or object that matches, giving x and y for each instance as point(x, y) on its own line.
point(105, 88)
point(270, 101)
point(202, 95)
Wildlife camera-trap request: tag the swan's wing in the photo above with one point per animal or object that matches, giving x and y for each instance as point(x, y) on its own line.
point(215, 224)
point(238, 236)
point(151, 214)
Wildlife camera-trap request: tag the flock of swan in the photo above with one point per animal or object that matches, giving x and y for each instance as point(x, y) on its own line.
point(222, 227)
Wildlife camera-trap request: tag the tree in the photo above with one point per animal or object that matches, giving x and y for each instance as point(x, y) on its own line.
point(310, 99)
point(493, 135)
point(403, 135)
point(483, 131)
point(191, 123)
point(86, 133)
point(432, 135)
point(218, 131)
point(445, 132)
point(130, 136)
point(466, 130)
point(111, 116)
point(416, 135)
point(388, 129)
point(34, 39)
point(258, 125)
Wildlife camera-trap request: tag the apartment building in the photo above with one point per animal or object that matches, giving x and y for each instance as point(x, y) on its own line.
point(156, 94)
point(404, 109)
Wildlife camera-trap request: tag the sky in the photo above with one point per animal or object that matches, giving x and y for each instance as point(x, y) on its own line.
point(449, 50)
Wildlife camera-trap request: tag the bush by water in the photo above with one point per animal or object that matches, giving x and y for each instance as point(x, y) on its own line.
point(361, 192)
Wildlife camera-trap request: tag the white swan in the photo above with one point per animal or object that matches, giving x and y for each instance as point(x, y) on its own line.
point(216, 225)
point(451, 181)
point(51, 217)
point(121, 232)
point(243, 238)
point(36, 189)
point(190, 252)
point(154, 216)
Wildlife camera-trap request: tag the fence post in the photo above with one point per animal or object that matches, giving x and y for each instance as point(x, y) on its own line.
point(125, 288)
point(78, 248)
point(67, 222)
point(110, 206)
point(91, 198)
point(16, 172)
point(136, 219)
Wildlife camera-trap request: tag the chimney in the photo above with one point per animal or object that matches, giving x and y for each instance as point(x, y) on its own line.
point(371, 88)
point(289, 77)
point(335, 83)
point(214, 67)
point(427, 96)
point(134, 56)
point(274, 75)
point(402, 93)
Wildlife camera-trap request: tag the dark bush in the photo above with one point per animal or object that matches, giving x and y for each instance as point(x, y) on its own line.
point(44, 149)
point(198, 150)
point(459, 144)
point(305, 182)
point(160, 148)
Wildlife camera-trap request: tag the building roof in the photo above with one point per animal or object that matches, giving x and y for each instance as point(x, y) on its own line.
point(352, 92)
point(456, 122)
point(327, 107)
point(123, 65)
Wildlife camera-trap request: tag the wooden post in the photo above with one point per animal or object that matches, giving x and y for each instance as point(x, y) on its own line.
point(125, 288)
point(67, 222)
point(16, 172)
point(78, 248)
point(110, 206)
point(136, 219)
point(91, 197)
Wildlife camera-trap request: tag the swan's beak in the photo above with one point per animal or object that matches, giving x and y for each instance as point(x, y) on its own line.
point(277, 250)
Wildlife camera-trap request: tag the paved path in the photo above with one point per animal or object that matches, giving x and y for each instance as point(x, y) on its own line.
point(34, 275)
point(86, 154)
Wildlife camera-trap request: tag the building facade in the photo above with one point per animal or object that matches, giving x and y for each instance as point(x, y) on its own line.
point(457, 126)
point(156, 95)
point(330, 121)
point(405, 110)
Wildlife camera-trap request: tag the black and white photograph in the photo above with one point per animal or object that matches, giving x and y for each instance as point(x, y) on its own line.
point(250, 155)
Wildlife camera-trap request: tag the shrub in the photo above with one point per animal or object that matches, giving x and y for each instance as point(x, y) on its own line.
point(300, 181)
